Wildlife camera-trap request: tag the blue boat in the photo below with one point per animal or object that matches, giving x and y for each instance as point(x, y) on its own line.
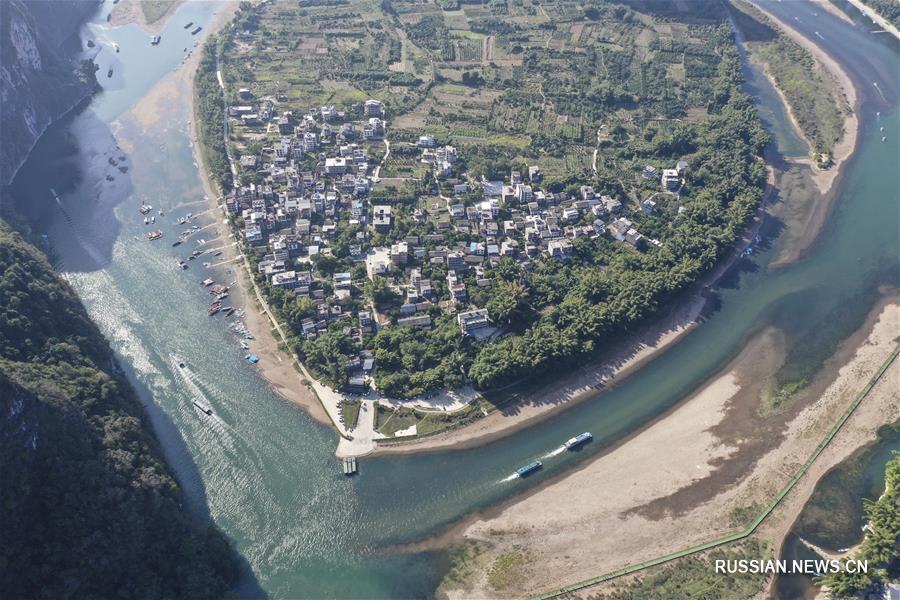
point(578, 440)
point(252, 358)
point(529, 468)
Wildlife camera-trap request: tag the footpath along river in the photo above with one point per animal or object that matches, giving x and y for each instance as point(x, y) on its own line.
point(264, 470)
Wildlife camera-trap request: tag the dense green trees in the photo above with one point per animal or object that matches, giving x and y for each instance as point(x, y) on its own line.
point(881, 546)
point(210, 116)
point(89, 508)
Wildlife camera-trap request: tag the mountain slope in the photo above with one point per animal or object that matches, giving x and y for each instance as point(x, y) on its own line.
point(38, 82)
point(89, 507)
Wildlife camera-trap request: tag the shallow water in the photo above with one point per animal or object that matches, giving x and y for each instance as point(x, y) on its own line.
point(265, 471)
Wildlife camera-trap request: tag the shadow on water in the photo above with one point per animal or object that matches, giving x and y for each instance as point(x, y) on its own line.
point(185, 470)
point(69, 187)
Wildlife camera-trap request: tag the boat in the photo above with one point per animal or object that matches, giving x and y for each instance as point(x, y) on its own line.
point(883, 138)
point(191, 257)
point(529, 468)
point(214, 308)
point(208, 281)
point(116, 46)
point(153, 219)
point(155, 41)
point(349, 465)
point(196, 30)
point(178, 361)
point(176, 243)
point(228, 310)
point(245, 345)
point(252, 358)
point(146, 220)
point(188, 26)
point(160, 212)
point(578, 440)
point(154, 235)
point(207, 265)
point(219, 253)
point(144, 209)
point(204, 408)
point(109, 73)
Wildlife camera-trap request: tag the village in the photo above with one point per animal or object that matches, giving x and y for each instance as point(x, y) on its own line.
point(365, 261)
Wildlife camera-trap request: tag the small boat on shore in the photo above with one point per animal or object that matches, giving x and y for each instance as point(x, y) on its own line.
point(578, 440)
point(204, 408)
point(529, 468)
point(252, 358)
point(245, 345)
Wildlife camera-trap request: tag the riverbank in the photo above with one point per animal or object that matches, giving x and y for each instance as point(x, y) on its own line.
point(844, 148)
point(275, 365)
point(131, 11)
point(809, 219)
point(877, 19)
point(634, 502)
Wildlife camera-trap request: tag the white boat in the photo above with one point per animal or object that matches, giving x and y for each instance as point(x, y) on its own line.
point(245, 345)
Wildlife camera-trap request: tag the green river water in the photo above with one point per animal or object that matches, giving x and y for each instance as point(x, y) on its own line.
point(261, 468)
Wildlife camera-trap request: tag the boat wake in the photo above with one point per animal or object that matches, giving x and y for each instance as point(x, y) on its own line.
point(190, 379)
point(556, 452)
point(509, 478)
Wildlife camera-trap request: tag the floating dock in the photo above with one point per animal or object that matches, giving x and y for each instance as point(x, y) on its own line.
point(349, 466)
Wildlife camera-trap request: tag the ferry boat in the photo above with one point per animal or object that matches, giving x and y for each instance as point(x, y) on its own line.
point(204, 408)
point(578, 440)
point(529, 468)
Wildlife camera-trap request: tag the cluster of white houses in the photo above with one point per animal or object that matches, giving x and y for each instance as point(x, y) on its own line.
point(317, 184)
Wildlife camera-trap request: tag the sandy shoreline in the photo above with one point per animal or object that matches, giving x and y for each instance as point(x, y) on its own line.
point(877, 19)
point(129, 11)
point(634, 503)
point(276, 366)
point(824, 179)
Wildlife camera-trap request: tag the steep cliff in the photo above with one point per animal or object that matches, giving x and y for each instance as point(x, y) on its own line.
point(39, 81)
point(88, 505)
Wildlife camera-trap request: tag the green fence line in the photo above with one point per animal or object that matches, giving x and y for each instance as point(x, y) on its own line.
point(627, 570)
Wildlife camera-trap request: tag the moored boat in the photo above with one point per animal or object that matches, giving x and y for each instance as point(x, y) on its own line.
point(154, 235)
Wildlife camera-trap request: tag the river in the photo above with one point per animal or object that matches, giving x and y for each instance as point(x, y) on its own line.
point(262, 469)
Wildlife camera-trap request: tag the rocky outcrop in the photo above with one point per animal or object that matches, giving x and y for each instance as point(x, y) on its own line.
point(39, 80)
